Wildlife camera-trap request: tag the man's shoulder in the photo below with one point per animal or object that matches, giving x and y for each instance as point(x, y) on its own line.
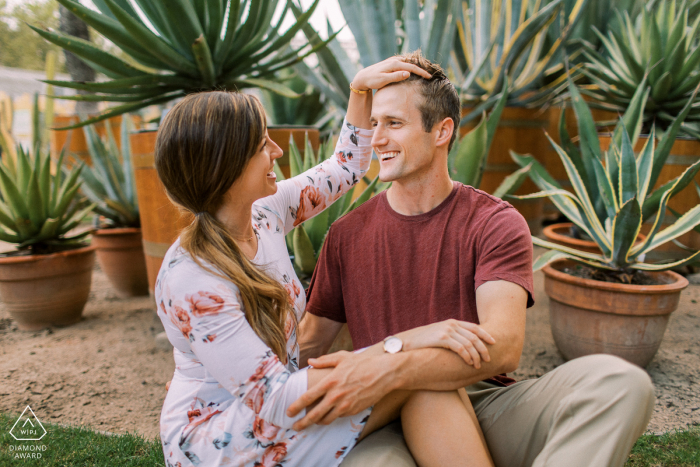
point(359, 217)
point(480, 207)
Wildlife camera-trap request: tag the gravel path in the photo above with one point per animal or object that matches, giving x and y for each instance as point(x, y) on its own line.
point(107, 371)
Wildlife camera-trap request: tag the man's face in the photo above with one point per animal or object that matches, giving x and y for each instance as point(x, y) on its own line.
point(405, 150)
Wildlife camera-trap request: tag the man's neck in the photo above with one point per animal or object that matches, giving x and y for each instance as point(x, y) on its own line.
point(418, 196)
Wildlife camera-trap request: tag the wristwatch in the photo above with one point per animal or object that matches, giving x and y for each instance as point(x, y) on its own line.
point(393, 344)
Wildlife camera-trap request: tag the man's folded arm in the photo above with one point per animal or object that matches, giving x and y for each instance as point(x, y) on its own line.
point(501, 307)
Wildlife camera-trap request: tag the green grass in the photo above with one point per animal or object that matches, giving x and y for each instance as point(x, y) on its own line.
point(81, 447)
point(673, 449)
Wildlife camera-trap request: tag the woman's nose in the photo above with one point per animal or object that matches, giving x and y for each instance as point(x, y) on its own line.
point(275, 150)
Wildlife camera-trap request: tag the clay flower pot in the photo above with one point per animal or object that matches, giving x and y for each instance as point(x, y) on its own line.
point(120, 255)
point(44, 290)
point(559, 234)
point(589, 316)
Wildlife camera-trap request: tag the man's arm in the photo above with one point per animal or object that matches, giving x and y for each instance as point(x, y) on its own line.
point(316, 335)
point(361, 380)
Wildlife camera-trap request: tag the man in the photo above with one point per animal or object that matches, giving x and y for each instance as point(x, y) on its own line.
point(427, 250)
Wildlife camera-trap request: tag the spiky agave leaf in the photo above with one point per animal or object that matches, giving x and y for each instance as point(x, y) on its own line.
point(181, 46)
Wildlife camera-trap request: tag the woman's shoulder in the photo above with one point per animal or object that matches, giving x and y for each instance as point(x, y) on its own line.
point(181, 274)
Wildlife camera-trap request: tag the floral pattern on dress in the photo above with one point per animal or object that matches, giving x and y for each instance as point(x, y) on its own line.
point(228, 398)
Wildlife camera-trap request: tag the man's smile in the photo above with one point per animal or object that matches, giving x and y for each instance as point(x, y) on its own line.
point(385, 156)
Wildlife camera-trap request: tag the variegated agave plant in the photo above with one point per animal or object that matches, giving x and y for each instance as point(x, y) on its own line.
point(178, 46)
point(613, 192)
point(306, 240)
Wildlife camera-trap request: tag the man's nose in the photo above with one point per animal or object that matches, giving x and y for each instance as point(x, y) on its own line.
point(379, 138)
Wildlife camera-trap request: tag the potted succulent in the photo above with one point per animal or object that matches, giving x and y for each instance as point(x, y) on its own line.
point(46, 281)
point(169, 51)
point(613, 301)
point(662, 46)
point(109, 184)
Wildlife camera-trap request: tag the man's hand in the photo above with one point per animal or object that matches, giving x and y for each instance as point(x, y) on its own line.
point(463, 338)
point(388, 71)
point(356, 382)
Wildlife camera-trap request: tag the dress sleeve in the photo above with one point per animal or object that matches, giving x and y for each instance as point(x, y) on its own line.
point(208, 313)
point(300, 198)
point(505, 252)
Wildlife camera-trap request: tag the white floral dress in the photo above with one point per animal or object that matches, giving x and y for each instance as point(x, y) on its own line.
point(229, 394)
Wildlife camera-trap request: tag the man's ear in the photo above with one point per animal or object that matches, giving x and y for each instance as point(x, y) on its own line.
point(445, 129)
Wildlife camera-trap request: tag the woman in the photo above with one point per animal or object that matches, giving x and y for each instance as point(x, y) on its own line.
point(230, 301)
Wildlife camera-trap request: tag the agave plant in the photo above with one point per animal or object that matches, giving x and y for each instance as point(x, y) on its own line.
point(503, 41)
point(306, 240)
point(179, 46)
point(662, 44)
point(613, 191)
point(109, 183)
point(38, 208)
point(381, 28)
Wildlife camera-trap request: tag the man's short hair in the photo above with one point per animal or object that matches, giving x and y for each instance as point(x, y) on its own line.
point(440, 99)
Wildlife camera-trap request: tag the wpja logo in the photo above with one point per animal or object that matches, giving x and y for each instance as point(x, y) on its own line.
point(28, 428)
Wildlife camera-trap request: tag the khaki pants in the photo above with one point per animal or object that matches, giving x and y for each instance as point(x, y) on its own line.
point(587, 412)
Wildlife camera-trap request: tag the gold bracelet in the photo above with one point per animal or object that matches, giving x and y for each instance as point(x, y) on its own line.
point(357, 91)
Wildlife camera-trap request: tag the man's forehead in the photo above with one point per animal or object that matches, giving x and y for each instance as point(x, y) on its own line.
point(394, 101)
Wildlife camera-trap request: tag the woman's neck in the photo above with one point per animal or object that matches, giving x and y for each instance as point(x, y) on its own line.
point(237, 219)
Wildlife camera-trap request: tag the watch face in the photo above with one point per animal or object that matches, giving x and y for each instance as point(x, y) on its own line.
point(393, 345)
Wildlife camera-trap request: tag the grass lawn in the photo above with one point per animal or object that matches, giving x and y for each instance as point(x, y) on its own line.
point(79, 447)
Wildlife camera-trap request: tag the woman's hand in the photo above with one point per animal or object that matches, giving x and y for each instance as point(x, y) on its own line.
point(463, 338)
point(388, 71)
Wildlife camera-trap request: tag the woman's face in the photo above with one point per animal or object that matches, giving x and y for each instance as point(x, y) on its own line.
point(258, 179)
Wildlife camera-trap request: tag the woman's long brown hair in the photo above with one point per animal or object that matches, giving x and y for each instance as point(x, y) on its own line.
point(203, 146)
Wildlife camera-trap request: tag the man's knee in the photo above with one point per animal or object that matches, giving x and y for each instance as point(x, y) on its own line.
point(619, 375)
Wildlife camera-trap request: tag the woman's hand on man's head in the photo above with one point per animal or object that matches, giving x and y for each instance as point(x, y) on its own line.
point(387, 71)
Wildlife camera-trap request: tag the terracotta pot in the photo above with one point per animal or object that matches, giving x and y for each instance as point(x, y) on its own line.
point(44, 290)
point(559, 234)
point(589, 316)
point(280, 134)
point(120, 255)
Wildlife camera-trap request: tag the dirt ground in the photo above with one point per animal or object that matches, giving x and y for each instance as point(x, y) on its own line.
point(107, 372)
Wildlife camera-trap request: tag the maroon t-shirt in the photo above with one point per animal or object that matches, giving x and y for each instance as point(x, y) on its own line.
point(383, 272)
